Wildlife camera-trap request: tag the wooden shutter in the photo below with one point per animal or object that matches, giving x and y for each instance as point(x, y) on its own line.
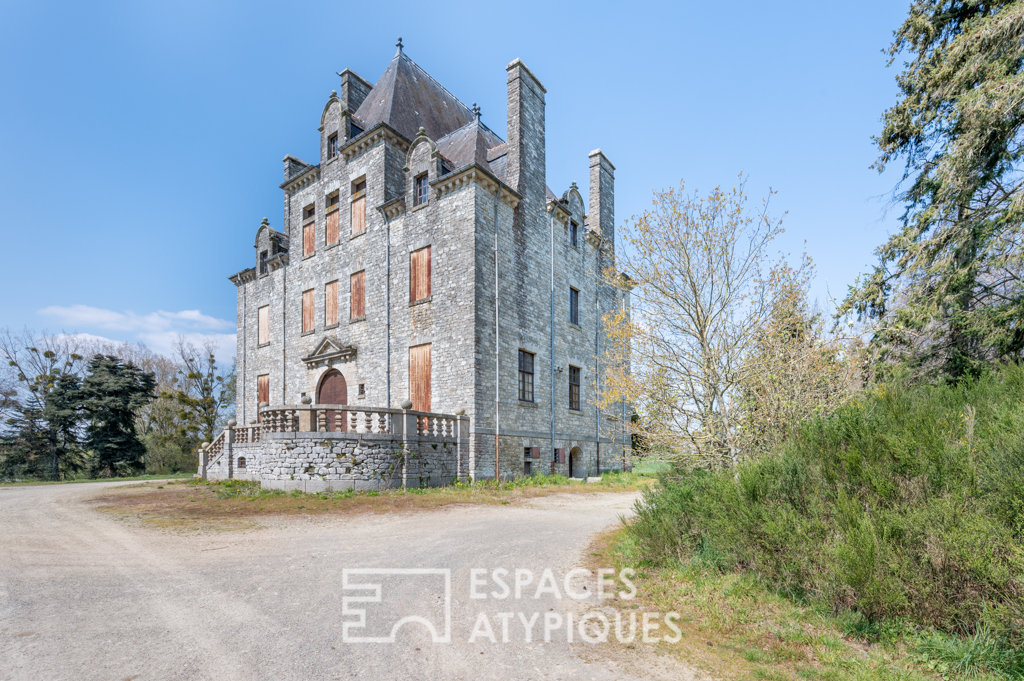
point(357, 295)
point(419, 274)
point(308, 239)
point(331, 303)
point(561, 455)
point(262, 392)
point(307, 311)
point(419, 377)
point(263, 333)
point(535, 452)
point(359, 215)
point(332, 227)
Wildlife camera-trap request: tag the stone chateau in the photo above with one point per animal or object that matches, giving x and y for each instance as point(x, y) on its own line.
point(424, 265)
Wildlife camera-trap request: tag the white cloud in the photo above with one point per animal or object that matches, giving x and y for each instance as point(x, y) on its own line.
point(159, 330)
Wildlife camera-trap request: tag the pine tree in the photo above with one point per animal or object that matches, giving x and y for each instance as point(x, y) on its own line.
point(947, 292)
point(112, 392)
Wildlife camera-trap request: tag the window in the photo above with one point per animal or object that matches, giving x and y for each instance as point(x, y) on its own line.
point(525, 376)
point(353, 130)
point(419, 274)
point(263, 325)
point(331, 304)
point(241, 462)
point(574, 306)
point(332, 146)
point(554, 456)
point(359, 207)
point(357, 295)
point(332, 219)
point(527, 468)
point(574, 388)
point(308, 324)
point(262, 393)
point(308, 213)
point(362, 390)
point(308, 239)
point(421, 190)
point(263, 262)
point(574, 233)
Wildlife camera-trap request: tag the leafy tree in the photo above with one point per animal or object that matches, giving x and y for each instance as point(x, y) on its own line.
point(113, 392)
point(205, 397)
point(947, 292)
point(42, 404)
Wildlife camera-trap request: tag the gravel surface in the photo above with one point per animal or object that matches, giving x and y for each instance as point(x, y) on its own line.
point(88, 595)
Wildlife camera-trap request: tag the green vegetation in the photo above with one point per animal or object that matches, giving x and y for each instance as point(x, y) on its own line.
point(902, 512)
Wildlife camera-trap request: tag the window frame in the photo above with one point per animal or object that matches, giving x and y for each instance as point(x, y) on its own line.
point(264, 266)
point(357, 195)
point(574, 234)
point(262, 340)
point(309, 320)
point(415, 277)
point(527, 386)
point(328, 323)
point(420, 198)
point(352, 298)
point(574, 306)
point(574, 395)
point(332, 145)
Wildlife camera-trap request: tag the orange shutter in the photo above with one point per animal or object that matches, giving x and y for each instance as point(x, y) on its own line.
point(419, 274)
point(357, 295)
point(307, 311)
point(359, 215)
point(419, 377)
point(308, 239)
point(263, 333)
point(262, 392)
point(332, 227)
point(534, 452)
point(331, 304)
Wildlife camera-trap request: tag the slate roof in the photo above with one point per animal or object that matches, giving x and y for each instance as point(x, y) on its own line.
point(407, 98)
point(469, 144)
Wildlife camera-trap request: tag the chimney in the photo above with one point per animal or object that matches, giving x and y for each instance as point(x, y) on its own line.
point(601, 214)
point(526, 163)
point(353, 90)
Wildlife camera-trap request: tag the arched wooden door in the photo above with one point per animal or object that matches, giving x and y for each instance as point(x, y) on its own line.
point(333, 390)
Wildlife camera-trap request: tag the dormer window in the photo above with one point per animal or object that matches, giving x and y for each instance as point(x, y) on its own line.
point(263, 262)
point(574, 234)
point(420, 196)
point(353, 130)
point(332, 146)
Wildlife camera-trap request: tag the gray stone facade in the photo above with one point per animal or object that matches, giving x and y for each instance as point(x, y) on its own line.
point(503, 262)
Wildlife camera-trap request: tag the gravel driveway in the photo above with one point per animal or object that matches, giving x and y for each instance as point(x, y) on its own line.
point(85, 595)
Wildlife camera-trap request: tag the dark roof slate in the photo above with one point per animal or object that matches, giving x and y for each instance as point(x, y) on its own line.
point(469, 144)
point(407, 98)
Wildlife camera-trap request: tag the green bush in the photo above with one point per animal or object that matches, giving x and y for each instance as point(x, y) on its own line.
point(908, 502)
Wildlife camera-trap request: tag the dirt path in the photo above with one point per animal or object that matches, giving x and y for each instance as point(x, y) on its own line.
point(85, 595)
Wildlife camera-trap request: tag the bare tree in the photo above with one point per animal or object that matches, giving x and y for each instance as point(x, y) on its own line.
point(702, 277)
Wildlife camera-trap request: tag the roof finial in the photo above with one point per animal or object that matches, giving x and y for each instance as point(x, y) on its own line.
point(399, 46)
point(476, 111)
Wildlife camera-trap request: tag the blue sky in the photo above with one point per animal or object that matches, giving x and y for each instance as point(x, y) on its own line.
point(142, 141)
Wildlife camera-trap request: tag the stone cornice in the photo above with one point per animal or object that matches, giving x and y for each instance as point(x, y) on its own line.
point(593, 238)
point(474, 173)
point(243, 277)
point(560, 211)
point(302, 180)
point(371, 138)
point(277, 261)
point(393, 208)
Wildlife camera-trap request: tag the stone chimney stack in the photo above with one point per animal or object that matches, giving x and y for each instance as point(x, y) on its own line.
point(526, 161)
point(353, 90)
point(601, 214)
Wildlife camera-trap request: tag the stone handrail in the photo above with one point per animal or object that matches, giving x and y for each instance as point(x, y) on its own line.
point(356, 419)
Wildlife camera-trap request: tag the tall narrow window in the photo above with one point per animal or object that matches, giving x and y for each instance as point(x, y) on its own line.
point(421, 190)
point(308, 323)
point(419, 274)
point(574, 233)
point(331, 236)
point(574, 388)
point(525, 376)
point(332, 146)
point(263, 325)
point(357, 295)
point(263, 262)
point(262, 392)
point(308, 231)
point(331, 304)
point(574, 306)
point(419, 377)
point(359, 207)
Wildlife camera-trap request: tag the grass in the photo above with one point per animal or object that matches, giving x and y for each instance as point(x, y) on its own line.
point(139, 478)
point(239, 504)
point(734, 628)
